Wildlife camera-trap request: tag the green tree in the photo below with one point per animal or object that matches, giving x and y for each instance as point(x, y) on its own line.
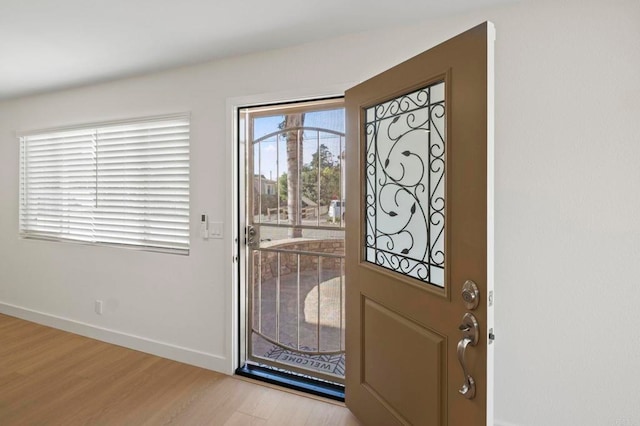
point(325, 169)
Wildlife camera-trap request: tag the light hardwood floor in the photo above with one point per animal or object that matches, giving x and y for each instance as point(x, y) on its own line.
point(50, 377)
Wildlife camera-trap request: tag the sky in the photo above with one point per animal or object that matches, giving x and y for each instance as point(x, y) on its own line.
point(269, 151)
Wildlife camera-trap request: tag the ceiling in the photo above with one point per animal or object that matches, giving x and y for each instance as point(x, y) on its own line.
point(48, 45)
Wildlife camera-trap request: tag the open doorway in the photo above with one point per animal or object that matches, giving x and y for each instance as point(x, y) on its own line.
point(293, 254)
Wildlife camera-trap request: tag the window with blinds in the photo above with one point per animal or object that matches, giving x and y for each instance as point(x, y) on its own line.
point(121, 183)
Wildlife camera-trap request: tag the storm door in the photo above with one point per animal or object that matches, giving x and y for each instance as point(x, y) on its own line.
point(295, 209)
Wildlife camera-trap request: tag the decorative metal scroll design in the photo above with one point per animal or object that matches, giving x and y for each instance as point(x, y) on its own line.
point(405, 184)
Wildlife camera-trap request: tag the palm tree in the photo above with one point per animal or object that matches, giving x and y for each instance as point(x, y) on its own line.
point(294, 157)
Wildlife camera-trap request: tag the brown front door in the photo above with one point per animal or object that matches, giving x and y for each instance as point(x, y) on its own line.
point(418, 238)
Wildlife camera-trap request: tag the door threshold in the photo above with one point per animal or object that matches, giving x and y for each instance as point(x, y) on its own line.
point(293, 381)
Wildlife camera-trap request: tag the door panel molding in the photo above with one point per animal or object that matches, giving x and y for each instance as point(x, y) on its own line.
point(428, 364)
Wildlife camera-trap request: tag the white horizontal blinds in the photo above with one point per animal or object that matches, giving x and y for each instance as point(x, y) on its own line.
point(58, 191)
point(131, 188)
point(143, 184)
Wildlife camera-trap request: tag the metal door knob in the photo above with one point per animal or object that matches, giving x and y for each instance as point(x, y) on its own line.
point(470, 336)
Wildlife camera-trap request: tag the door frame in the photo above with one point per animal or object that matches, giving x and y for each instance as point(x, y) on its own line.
point(491, 38)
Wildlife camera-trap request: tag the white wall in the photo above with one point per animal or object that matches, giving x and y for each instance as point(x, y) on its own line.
point(567, 205)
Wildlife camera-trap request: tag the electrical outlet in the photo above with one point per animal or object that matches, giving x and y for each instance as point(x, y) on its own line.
point(98, 307)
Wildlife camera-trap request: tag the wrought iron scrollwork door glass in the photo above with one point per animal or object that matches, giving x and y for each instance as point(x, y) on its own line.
point(405, 184)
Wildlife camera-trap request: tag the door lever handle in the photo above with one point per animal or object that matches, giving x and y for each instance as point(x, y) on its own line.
point(253, 237)
point(468, 388)
point(470, 335)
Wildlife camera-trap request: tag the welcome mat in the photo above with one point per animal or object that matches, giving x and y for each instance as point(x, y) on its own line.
point(331, 364)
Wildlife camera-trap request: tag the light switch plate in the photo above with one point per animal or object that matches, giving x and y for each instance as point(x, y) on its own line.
point(215, 230)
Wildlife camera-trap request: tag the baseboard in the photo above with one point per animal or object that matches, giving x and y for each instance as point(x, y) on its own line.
point(138, 343)
point(504, 423)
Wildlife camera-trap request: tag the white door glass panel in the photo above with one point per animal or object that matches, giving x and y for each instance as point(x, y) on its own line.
point(405, 184)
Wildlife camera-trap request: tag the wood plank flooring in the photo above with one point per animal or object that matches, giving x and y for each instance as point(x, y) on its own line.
point(50, 377)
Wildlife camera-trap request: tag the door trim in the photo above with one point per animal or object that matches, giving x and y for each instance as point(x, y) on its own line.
point(490, 299)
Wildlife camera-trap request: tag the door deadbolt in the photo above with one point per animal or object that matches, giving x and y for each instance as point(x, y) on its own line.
point(470, 295)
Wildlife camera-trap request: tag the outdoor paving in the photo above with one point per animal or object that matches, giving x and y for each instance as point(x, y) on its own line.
point(299, 321)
